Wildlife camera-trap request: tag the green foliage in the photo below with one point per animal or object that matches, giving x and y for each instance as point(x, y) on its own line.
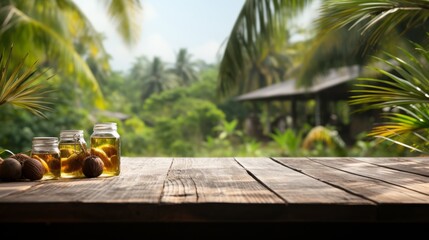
point(134, 137)
point(159, 105)
point(20, 85)
point(379, 17)
point(184, 68)
point(228, 130)
point(369, 147)
point(289, 141)
point(253, 47)
point(61, 37)
point(184, 125)
point(19, 127)
point(157, 79)
point(404, 91)
point(324, 141)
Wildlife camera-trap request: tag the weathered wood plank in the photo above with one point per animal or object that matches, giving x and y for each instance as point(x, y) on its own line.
point(395, 203)
point(406, 180)
point(215, 189)
point(7, 188)
point(139, 181)
point(369, 188)
point(131, 196)
point(211, 180)
point(417, 165)
point(308, 198)
point(296, 187)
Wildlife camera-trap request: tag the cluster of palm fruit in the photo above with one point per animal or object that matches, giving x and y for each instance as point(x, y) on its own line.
point(21, 166)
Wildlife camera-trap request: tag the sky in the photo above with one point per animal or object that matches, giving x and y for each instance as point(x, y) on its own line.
point(200, 26)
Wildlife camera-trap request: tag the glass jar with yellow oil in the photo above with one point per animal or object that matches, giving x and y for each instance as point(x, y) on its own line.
point(45, 149)
point(106, 144)
point(72, 147)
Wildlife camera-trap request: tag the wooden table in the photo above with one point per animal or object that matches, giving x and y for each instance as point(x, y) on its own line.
point(241, 190)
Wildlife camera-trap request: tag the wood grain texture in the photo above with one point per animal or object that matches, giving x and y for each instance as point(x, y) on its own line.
point(394, 203)
point(308, 198)
point(375, 190)
point(294, 186)
point(211, 180)
point(128, 197)
point(152, 190)
point(7, 188)
point(139, 181)
point(416, 165)
point(406, 180)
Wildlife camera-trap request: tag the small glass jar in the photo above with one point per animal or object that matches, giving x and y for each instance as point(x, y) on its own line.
point(72, 147)
point(45, 149)
point(106, 144)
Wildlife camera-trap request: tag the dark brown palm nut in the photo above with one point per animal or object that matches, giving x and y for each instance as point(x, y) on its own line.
point(32, 169)
point(10, 169)
point(1, 160)
point(92, 166)
point(21, 157)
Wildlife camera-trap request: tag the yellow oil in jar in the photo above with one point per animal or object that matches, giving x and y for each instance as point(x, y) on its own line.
point(108, 150)
point(52, 164)
point(72, 159)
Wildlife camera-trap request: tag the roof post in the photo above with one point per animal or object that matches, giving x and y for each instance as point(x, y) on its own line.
point(317, 112)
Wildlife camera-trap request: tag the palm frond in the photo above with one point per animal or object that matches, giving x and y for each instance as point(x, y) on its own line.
point(125, 13)
point(22, 88)
point(260, 23)
point(62, 54)
point(328, 50)
point(404, 90)
point(410, 121)
point(367, 27)
point(405, 82)
point(403, 144)
point(381, 17)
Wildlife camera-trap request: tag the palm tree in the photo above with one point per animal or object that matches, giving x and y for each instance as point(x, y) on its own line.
point(157, 79)
point(139, 68)
point(184, 68)
point(344, 34)
point(351, 32)
point(267, 64)
point(260, 25)
point(403, 87)
point(372, 27)
point(50, 28)
point(405, 96)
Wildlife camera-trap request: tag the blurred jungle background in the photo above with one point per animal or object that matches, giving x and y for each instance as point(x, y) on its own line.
point(289, 78)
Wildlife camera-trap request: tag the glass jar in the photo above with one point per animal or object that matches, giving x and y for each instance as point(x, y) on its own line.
point(45, 149)
point(106, 144)
point(72, 147)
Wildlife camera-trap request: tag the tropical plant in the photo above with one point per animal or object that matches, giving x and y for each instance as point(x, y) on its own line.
point(50, 28)
point(324, 139)
point(289, 141)
point(228, 132)
point(189, 122)
point(139, 68)
point(378, 18)
point(404, 92)
point(403, 88)
point(367, 26)
point(20, 86)
point(157, 79)
point(259, 30)
point(252, 148)
point(184, 68)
